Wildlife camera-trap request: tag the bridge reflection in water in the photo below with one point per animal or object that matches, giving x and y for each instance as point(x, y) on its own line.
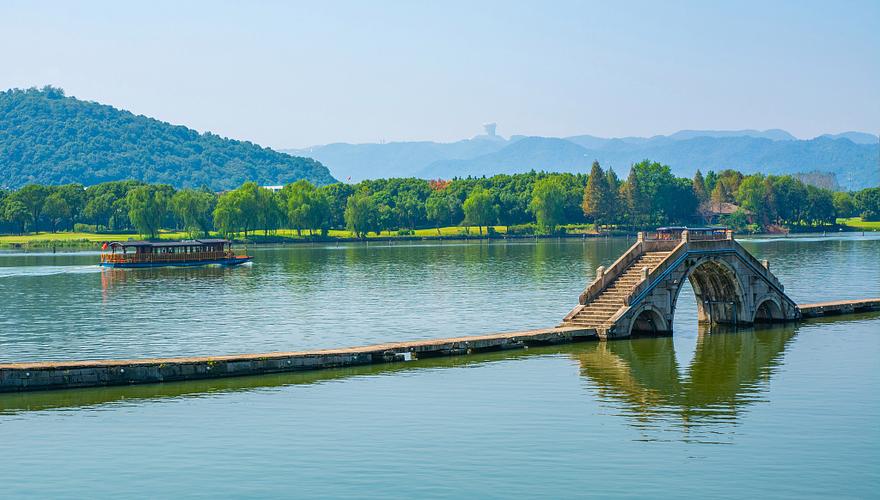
point(728, 372)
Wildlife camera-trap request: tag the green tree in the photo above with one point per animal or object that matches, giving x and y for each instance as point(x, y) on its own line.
point(17, 213)
point(239, 210)
point(105, 203)
point(386, 219)
point(250, 209)
point(146, 209)
point(820, 206)
point(195, 209)
point(120, 218)
point(74, 196)
point(56, 210)
point(307, 207)
point(790, 195)
point(867, 202)
point(337, 196)
point(726, 186)
point(361, 214)
point(409, 210)
point(227, 214)
point(699, 187)
point(548, 202)
point(843, 204)
point(272, 210)
point(738, 220)
point(598, 197)
point(480, 209)
point(633, 197)
point(751, 194)
point(711, 180)
point(655, 196)
point(613, 208)
point(679, 203)
point(442, 209)
point(32, 196)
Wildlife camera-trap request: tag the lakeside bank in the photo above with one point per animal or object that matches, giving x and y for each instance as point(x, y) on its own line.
point(92, 241)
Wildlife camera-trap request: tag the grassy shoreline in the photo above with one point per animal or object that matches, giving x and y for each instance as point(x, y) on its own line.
point(857, 224)
point(83, 240)
point(93, 240)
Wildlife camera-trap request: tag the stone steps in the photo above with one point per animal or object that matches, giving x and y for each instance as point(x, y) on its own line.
point(598, 312)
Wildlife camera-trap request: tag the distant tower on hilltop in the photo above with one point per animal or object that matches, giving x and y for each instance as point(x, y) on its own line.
point(490, 129)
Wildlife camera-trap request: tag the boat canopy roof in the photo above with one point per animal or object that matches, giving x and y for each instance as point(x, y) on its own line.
point(167, 244)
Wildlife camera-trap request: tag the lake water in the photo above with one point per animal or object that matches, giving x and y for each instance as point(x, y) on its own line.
point(788, 411)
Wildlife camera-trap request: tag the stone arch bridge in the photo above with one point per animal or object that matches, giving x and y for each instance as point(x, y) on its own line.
point(638, 293)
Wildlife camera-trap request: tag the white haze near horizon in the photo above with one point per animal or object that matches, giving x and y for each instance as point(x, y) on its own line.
point(296, 74)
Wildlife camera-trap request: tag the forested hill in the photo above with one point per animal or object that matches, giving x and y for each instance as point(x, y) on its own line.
point(49, 138)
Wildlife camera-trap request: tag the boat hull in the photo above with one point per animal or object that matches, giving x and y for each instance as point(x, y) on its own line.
point(221, 262)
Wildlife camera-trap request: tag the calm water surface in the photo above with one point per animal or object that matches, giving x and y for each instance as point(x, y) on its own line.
point(789, 411)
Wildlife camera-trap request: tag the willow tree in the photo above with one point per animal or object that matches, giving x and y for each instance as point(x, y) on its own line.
point(548, 203)
point(441, 209)
point(307, 207)
point(480, 209)
point(361, 214)
point(238, 210)
point(147, 206)
point(194, 208)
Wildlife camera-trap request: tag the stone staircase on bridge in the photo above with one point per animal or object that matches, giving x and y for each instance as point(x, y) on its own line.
point(597, 313)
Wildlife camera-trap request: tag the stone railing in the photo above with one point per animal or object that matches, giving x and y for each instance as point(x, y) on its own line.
point(700, 246)
point(727, 234)
point(762, 267)
point(604, 275)
point(677, 252)
point(688, 235)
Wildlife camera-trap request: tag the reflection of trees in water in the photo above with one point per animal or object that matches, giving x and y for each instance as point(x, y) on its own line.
point(723, 377)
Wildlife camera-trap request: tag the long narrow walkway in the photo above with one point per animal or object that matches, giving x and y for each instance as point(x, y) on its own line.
point(16, 377)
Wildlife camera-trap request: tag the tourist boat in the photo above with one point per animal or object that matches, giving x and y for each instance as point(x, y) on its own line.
point(170, 253)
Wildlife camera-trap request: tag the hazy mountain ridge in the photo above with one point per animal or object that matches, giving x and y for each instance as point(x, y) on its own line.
point(856, 137)
point(374, 160)
point(854, 162)
point(49, 138)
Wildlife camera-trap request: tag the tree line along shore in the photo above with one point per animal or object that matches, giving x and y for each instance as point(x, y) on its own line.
point(533, 203)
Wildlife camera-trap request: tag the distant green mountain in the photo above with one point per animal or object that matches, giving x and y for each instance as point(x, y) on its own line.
point(49, 138)
point(852, 157)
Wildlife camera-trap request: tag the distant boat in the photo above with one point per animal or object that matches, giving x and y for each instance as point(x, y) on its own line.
point(170, 253)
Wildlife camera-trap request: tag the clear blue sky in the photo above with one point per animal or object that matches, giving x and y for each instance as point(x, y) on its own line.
point(292, 74)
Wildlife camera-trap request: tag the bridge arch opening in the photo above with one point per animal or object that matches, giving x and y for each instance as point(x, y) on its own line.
point(718, 292)
point(769, 311)
point(649, 322)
